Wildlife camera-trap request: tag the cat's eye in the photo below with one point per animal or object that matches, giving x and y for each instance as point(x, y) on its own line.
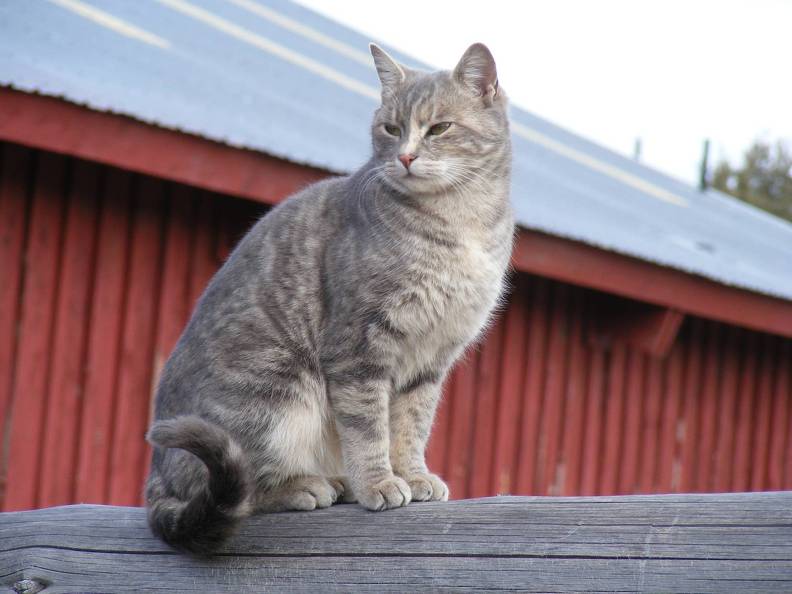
point(438, 129)
point(392, 130)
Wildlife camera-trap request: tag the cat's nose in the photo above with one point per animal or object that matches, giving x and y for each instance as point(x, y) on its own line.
point(407, 159)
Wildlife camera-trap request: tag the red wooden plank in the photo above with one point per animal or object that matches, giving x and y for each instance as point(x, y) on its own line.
point(593, 440)
point(240, 218)
point(575, 400)
point(633, 412)
point(235, 218)
point(614, 415)
point(650, 431)
point(55, 125)
point(781, 407)
point(483, 435)
point(223, 242)
point(584, 265)
point(129, 450)
point(438, 439)
point(103, 349)
point(669, 471)
point(550, 466)
point(459, 442)
point(640, 326)
point(173, 308)
point(691, 397)
point(203, 263)
point(741, 476)
point(534, 389)
point(727, 412)
point(29, 396)
point(68, 346)
point(708, 410)
point(15, 165)
point(512, 373)
point(659, 332)
point(669, 474)
point(784, 387)
point(761, 429)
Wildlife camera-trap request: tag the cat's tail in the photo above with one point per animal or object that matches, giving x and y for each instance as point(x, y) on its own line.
point(202, 523)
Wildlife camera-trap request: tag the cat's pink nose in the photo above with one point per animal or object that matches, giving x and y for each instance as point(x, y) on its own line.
point(407, 159)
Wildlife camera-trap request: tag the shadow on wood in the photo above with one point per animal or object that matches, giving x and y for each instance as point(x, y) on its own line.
point(653, 543)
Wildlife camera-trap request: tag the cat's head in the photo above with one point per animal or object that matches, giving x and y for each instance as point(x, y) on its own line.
point(436, 131)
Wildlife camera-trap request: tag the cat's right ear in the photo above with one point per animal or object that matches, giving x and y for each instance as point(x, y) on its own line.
point(390, 72)
point(476, 70)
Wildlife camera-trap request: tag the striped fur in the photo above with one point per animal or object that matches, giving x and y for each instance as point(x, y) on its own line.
point(311, 368)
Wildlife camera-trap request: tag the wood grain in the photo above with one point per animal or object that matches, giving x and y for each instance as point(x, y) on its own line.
point(654, 543)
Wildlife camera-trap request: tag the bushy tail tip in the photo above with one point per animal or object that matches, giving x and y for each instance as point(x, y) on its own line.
point(210, 516)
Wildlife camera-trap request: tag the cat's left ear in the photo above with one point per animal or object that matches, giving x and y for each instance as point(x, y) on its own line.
point(476, 69)
point(390, 72)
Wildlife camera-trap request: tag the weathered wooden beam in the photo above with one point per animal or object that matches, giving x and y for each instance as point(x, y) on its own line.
point(657, 543)
point(649, 328)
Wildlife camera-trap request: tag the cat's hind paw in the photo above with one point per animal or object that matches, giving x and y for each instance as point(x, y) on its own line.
point(344, 489)
point(304, 493)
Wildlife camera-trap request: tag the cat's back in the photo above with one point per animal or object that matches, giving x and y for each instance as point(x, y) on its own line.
point(268, 287)
point(276, 261)
point(299, 213)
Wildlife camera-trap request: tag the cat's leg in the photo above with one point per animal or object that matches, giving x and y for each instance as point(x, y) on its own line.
point(411, 414)
point(302, 493)
point(293, 455)
point(360, 407)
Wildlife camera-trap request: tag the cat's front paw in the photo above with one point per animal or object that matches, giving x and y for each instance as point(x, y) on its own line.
point(426, 486)
point(386, 494)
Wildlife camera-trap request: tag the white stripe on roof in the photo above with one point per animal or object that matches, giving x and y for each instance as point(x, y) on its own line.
point(111, 22)
point(617, 173)
point(276, 49)
point(303, 30)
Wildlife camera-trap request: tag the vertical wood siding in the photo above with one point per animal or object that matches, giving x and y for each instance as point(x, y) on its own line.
point(573, 417)
point(100, 268)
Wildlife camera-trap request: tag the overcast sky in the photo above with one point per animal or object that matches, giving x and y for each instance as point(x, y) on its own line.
point(671, 72)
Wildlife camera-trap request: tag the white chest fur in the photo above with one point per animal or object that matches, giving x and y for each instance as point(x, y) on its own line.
point(447, 305)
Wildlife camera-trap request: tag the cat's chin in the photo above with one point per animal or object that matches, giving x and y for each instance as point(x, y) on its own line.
point(414, 185)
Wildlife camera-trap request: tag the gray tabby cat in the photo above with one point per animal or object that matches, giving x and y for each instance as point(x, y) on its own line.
point(312, 366)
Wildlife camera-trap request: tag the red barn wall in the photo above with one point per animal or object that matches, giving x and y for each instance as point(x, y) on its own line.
point(99, 269)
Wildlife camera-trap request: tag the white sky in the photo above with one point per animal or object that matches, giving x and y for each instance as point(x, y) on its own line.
point(671, 72)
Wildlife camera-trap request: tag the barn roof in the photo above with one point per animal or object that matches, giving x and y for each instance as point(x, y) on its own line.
point(278, 78)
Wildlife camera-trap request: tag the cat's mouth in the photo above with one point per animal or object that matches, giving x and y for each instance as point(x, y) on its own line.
point(417, 184)
point(417, 173)
point(425, 177)
point(410, 178)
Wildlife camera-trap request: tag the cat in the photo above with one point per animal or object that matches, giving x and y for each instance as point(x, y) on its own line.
point(311, 368)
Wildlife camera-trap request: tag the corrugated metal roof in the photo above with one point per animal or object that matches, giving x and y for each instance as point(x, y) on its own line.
point(279, 78)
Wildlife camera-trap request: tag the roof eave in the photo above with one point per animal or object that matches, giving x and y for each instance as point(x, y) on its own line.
point(60, 126)
point(588, 266)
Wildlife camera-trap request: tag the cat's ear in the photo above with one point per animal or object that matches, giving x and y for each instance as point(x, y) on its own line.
point(390, 72)
point(476, 70)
